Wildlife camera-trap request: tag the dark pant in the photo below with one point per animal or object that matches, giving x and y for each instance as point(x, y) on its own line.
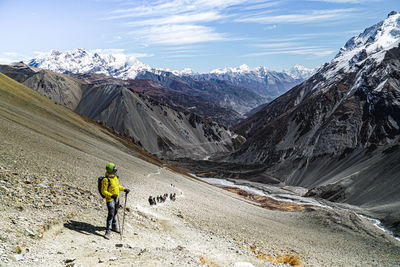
point(112, 207)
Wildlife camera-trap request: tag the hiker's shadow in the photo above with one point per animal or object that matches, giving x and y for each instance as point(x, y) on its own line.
point(84, 228)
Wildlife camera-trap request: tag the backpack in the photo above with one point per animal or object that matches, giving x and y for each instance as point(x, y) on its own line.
point(99, 180)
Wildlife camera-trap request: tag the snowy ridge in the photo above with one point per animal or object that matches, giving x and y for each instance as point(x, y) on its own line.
point(81, 61)
point(368, 47)
point(296, 72)
point(123, 66)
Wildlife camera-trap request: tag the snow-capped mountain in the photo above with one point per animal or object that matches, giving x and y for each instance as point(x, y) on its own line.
point(339, 131)
point(300, 72)
point(261, 80)
point(296, 72)
point(81, 61)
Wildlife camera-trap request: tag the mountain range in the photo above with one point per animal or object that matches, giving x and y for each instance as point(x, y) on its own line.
point(236, 90)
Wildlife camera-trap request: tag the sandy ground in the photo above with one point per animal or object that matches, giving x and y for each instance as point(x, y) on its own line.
point(206, 225)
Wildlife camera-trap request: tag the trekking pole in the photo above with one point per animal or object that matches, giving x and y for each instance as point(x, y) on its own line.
point(123, 218)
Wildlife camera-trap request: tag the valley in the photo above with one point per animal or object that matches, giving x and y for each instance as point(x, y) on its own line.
point(297, 167)
point(205, 225)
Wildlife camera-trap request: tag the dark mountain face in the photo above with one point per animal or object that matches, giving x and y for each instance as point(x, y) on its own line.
point(158, 128)
point(339, 131)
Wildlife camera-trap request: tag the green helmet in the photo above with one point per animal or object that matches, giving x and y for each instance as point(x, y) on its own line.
point(111, 168)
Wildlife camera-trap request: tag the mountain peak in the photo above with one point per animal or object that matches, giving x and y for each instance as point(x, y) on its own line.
point(381, 36)
point(369, 46)
point(393, 13)
point(300, 72)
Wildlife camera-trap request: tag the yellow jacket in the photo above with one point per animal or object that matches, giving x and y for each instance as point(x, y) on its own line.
point(110, 189)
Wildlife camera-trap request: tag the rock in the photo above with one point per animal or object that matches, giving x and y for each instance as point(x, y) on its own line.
point(69, 260)
point(4, 188)
point(119, 245)
point(42, 185)
point(141, 251)
point(19, 249)
point(129, 246)
point(48, 203)
point(112, 259)
point(100, 260)
point(29, 232)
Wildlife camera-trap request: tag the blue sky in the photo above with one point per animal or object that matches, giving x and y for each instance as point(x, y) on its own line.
point(202, 35)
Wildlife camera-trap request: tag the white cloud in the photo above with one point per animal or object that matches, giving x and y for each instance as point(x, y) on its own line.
point(315, 51)
point(177, 19)
point(177, 22)
point(140, 55)
point(179, 34)
point(10, 57)
point(308, 17)
point(345, 1)
point(262, 5)
point(271, 27)
point(180, 22)
point(11, 54)
point(277, 45)
point(108, 51)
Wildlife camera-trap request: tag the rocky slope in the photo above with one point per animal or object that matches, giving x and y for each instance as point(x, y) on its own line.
point(339, 130)
point(157, 128)
point(52, 213)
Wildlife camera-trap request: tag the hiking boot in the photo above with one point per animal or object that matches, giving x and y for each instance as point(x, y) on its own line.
point(115, 228)
point(107, 235)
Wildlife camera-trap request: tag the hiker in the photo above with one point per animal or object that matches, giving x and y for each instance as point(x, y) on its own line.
point(150, 200)
point(110, 188)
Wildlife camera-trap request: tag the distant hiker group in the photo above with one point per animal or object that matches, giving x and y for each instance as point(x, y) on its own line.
point(161, 198)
